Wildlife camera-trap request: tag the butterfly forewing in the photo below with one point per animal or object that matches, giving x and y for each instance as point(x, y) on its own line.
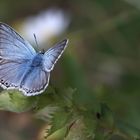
point(15, 56)
point(13, 46)
point(53, 54)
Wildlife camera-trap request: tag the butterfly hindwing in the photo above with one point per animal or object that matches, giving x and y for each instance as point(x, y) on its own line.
point(35, 81)
point(11, 73)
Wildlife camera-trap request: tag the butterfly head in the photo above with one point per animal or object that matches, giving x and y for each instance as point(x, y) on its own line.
point(42, 52)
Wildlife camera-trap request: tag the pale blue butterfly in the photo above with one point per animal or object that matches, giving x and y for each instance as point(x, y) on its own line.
point(21, 67)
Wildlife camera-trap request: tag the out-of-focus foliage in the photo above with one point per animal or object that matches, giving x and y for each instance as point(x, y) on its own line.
point(15, 102)
point(94, 91)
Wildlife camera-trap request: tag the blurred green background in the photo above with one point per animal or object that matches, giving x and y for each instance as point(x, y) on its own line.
point(103, 55)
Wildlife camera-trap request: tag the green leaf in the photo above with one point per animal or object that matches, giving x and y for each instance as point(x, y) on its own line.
point(59, 134)
point(46, 113)
point(14, 101)
point(59, 120)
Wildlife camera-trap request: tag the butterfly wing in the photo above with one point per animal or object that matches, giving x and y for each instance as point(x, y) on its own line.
point(15, 55)
point(37, 79)
point(13, 46)
point(12, 73)
point(53, 54)
point(35, 82)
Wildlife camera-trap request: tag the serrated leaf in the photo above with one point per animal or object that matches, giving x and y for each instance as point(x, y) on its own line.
point(15, 101)
point(59, 134)
point(46, 113)
point(59, 120)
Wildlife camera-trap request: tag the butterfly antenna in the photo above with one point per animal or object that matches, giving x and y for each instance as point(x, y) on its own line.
point(36, 40)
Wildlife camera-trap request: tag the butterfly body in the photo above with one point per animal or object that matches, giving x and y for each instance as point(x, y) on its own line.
point(37, 60)
point(23, 68)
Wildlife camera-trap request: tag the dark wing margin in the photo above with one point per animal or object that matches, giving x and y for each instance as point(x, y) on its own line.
point(35, 82)
point(11, 73)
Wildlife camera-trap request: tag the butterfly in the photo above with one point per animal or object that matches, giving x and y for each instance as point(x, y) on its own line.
point(21, 67)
